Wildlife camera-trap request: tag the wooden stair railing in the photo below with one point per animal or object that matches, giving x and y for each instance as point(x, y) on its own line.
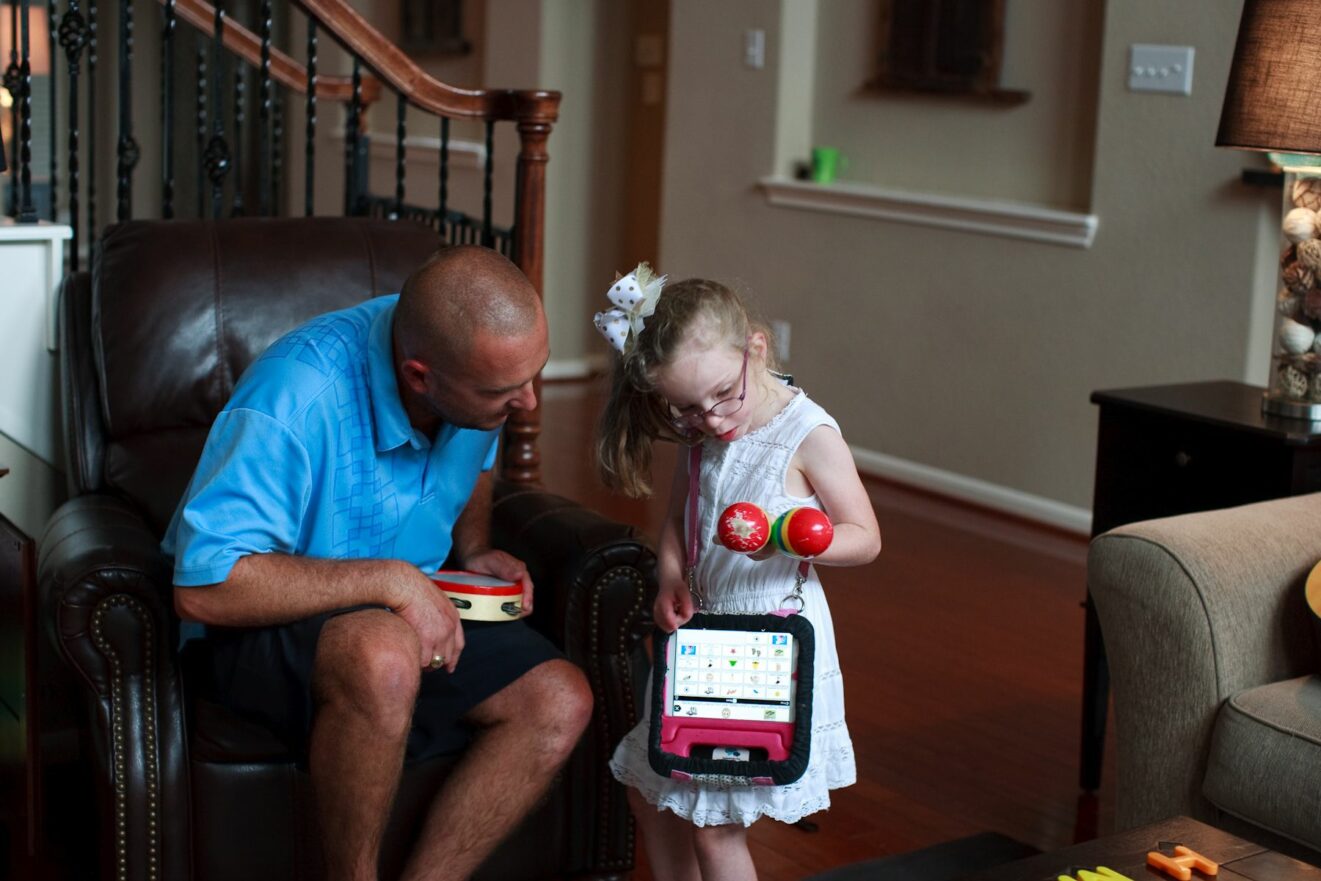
point(284, 69)
point(240, 124)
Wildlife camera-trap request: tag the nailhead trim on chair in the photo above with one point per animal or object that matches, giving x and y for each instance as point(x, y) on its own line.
point(631, 574)
point(119, 725)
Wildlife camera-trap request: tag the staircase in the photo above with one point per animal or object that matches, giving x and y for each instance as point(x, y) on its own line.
point(238, 129)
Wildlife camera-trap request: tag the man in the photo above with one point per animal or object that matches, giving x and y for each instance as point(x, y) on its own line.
point(352, 457)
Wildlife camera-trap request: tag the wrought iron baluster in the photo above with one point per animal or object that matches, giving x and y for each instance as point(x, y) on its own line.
point(73, 38)
point(13, 84)
point(202, 127)
point(487, 238)
point(401, 116)
point(444, 174)
point(277, 154)
point(167, 111)
point(51, 25)
point(309, 149)
point(217, 156)
point(236, 155)
point(351, 135)
point(264, 113)
point(126, 148)
point(93, 228)
point(27, 213)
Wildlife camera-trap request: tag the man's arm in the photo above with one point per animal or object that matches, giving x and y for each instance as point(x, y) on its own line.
point(265, 589)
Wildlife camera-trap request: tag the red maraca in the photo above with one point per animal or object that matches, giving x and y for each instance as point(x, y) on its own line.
point(802, 532)
point(743, 528)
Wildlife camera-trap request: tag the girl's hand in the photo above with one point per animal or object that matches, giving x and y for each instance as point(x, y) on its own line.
point(674, 605)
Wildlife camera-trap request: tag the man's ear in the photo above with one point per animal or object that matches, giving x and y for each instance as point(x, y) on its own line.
point(414, 375)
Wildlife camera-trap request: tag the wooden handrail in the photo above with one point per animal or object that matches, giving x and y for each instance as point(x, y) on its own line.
point(420, 88)
point(284, 69)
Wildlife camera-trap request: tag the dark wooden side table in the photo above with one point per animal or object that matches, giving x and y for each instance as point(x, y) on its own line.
point(1126, 853)
point(1175, 449)
point(18, 573)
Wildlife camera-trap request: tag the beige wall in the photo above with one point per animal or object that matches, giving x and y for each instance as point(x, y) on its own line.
point(584, 48)
point(970, 353)
point(1040, 151)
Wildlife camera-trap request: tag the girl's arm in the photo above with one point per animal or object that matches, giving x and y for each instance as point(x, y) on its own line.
point(674, 602)
point(825, 460)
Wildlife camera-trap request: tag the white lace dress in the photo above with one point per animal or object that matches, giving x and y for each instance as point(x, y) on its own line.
point(752, 468)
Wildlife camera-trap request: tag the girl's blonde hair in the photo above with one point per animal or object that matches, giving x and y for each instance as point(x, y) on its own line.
point(635, 414)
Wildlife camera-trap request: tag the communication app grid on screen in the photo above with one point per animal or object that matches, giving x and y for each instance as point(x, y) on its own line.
point(732, 674)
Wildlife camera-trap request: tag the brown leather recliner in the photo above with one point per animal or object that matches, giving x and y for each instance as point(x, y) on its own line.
point(152, 344)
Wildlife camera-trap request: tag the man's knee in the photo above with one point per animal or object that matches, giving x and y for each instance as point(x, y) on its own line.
point(567, 699)
point(368, 661)
point(553, 699)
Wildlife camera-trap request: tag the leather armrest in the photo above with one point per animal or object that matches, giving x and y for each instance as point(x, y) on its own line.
point(595, 581)
point(105, 587)
point(83, 427)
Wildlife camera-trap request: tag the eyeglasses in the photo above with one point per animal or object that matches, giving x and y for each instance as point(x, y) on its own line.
point(688, 422)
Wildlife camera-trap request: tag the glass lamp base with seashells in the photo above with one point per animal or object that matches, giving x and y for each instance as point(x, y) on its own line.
point(1295, 375)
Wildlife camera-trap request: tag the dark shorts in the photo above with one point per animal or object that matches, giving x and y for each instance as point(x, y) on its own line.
point(265, 675)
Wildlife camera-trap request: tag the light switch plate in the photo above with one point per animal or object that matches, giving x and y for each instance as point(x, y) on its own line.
point(754, 49)
point(1166, 69)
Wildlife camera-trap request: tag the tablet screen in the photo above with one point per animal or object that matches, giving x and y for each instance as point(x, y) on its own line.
point(732, 674)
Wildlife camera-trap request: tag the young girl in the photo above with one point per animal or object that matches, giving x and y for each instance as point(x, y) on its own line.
point(692, 367)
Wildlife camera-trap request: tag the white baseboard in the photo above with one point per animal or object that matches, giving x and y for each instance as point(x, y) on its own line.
point(969, 489)
point(573, 368)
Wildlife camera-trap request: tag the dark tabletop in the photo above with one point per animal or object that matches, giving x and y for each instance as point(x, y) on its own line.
point(1222, 402)
point(1126, 853)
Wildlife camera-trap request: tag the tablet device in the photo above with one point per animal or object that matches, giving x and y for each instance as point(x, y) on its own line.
point(732, 699)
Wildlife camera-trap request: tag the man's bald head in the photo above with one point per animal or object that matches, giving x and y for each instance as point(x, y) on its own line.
point(458, 295)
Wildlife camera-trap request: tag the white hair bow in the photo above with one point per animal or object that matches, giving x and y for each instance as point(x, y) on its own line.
point(635, 297)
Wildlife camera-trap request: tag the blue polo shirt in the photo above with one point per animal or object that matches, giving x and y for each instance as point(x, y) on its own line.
point(314, 456)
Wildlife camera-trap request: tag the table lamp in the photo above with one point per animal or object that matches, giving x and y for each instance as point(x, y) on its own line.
point(1273, 103)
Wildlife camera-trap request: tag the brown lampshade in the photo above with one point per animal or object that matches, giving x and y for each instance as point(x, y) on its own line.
point(1273, 100)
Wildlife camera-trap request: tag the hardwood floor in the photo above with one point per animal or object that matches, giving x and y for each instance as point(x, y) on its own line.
point(961, 647)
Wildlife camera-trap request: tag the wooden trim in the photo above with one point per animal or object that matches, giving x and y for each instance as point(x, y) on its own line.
point(392, 65)
point(995, 97)
point(284, 69)
point(1013, 220)
point(1058, 515)
point(521, 460)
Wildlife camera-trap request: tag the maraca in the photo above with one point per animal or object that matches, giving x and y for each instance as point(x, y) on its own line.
point(802, 532)
point(743, 528)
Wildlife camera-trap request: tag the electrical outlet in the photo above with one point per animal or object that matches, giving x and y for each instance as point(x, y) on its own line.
point(780, 330)
point(1160, 69)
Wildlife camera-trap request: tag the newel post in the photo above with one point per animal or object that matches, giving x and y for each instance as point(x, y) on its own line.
point(521, 460)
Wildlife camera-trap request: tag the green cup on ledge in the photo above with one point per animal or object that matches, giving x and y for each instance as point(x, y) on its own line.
point(826, 164)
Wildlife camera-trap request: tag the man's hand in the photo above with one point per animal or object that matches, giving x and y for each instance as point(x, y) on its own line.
point(433, 618)
point(502, 565)
point(674, 605)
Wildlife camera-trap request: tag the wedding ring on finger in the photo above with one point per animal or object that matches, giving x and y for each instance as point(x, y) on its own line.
point(437, 661)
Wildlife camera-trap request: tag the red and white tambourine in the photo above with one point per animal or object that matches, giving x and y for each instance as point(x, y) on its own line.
point(480, 597)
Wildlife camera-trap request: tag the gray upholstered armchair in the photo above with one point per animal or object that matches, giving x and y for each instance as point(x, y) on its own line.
point(1213, 658)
